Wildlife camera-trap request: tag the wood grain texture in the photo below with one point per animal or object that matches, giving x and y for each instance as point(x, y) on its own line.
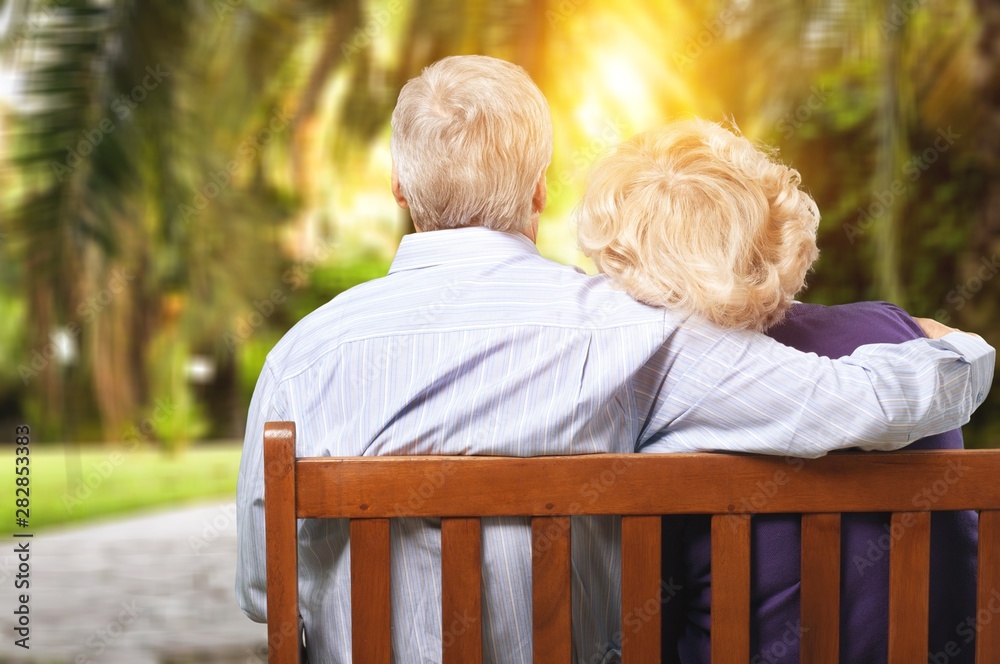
point(281, 544)
point(461, 591)
point(371, 490)
point(820, 588)
point(730, 617)
point(909, 586)
point(641, 595)
point(550, 590)
point(672, 483)
point(371, 633)
point(988, 609)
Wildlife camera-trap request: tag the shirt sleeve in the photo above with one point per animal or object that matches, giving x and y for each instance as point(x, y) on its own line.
point(728, 390)
point(251, 577)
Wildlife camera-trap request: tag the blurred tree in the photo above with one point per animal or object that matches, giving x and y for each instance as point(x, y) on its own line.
point(114, 169)
point(986, 240)
point(177, 160)
point(984, 245)
point(65, 47)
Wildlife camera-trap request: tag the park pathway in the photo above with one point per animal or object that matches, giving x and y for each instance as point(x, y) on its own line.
point(150, 589)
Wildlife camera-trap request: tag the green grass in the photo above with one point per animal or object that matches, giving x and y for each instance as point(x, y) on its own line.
point(81, 483)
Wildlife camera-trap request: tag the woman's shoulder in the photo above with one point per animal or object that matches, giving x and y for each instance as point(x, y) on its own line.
point(838, 330)
point(875, 311)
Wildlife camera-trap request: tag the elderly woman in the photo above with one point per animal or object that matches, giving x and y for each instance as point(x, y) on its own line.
point(695, 218)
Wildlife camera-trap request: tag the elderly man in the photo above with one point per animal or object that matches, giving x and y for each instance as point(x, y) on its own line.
point(475, 344)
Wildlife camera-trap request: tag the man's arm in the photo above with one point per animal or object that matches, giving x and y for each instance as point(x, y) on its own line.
point(251, 578)
point(712, 389)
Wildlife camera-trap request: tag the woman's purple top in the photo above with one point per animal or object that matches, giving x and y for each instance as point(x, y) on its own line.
point(865, 540)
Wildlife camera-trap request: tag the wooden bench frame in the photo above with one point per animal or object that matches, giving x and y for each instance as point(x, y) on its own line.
point(371, 490)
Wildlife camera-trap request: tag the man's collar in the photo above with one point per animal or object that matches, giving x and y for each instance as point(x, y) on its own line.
point(474, 244)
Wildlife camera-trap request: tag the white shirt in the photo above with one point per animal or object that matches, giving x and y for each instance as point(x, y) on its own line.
point(475, 344)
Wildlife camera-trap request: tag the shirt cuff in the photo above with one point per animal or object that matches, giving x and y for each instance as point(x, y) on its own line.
point(980, 356)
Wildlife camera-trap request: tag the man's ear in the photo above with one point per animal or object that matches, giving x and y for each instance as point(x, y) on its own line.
point(396, 193)
point(540, 196)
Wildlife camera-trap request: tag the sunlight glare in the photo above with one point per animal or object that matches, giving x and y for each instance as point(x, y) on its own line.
point(626, 86)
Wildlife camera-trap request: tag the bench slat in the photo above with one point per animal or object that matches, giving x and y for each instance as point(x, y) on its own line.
point(988, 638)
point(550, 590)
point(909, 586)
point(370, 595)
point(281, 544)
point(641, 552)
point(550, 486)
point(730, 610)
point(461, 591)
point(820, 588)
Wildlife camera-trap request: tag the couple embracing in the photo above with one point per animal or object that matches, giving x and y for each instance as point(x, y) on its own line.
point(690, 340)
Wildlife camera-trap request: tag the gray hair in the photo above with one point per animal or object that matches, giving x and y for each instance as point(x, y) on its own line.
point(470, 137)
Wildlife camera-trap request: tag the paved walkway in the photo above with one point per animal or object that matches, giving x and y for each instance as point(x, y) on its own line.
point(154, 589)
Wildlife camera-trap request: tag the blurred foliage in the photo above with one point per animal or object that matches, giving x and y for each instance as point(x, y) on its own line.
point(185, 180)
point(12, 324)
point(333, 278)
point(185, 421)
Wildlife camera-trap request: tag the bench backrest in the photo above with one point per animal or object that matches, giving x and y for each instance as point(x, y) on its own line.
point(371, 490)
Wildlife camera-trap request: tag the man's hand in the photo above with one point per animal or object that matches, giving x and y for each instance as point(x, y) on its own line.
point(936, 330)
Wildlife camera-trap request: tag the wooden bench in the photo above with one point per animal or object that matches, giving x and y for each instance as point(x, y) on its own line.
point(369, 491)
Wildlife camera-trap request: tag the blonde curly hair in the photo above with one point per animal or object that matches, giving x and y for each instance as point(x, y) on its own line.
point(694, 217)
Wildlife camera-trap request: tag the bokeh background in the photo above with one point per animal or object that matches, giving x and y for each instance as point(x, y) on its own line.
point(182, 180)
